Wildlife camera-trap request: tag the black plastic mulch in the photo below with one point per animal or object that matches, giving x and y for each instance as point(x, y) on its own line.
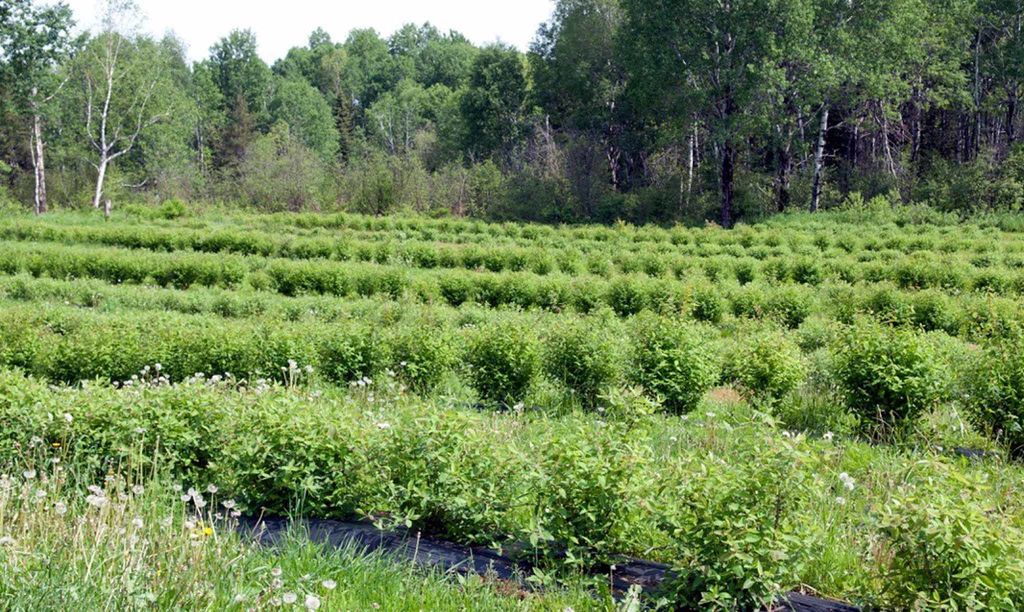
point(441, 555)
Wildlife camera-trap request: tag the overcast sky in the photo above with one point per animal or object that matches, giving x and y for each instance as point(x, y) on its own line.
point(284, 24)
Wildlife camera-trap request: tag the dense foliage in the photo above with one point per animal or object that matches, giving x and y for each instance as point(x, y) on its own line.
point(621, 109)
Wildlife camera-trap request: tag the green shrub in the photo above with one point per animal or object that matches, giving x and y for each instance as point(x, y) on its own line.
point(436, 472)
point(283, 458)
point(628, 295)
point(589, 485)
point(888, 376)
point(673, 362)
point(817, 332)
point(889, 304)
point(766, 366)
point(731, 521)
point(347, 354)
point(172, 209)
point(943, 549)
point(581, 354)
point(20, 401)
point(807, 271)
point(708, 305)
point(629, 405)
point(421, 352)
point(502, 360)
point(936, 311)
point(995, 394)
point(786, 304)
point(457, 288)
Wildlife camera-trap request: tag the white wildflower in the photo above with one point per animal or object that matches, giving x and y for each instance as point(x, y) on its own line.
point(97, 501)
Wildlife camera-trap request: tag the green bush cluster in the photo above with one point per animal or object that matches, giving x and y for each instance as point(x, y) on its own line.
point(577, 492)
point(502, 360)
point(888, 376)
point(733, 528)
point(583, 355)
point(673, 362)
point(995, 393)
point(941, 549)
point(765, 365)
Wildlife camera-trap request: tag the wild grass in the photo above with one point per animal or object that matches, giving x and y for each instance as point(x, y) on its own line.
point(142, 544)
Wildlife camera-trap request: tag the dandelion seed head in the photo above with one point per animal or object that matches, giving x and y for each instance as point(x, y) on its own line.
point(97, 501)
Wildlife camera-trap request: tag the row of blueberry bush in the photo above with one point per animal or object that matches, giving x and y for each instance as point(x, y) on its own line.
point(886, 376)
point(737, 512)
point(997, 271)
point(968, 314)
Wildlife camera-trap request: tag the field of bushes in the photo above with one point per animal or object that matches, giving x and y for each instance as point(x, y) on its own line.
point(830, 403)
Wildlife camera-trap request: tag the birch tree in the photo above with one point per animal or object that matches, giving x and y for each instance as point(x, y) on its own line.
point(122, 77)
point(34, 41)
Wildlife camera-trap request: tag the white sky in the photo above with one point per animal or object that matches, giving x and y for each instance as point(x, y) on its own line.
point(284, 24)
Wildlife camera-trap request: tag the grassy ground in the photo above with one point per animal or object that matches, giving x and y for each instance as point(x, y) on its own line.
point(119, 546)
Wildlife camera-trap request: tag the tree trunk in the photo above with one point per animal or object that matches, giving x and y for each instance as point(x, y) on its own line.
point(1011, 112)
point(101, 174)
point(977, 97)
point(691, 162)
point(684, 201)
point(39, 163)
point(886, 147)
point(782, 197)
point(728, 174)
point(819, 161)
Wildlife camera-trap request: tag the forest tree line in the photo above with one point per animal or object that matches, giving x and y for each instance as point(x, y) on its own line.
point(642, 110)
